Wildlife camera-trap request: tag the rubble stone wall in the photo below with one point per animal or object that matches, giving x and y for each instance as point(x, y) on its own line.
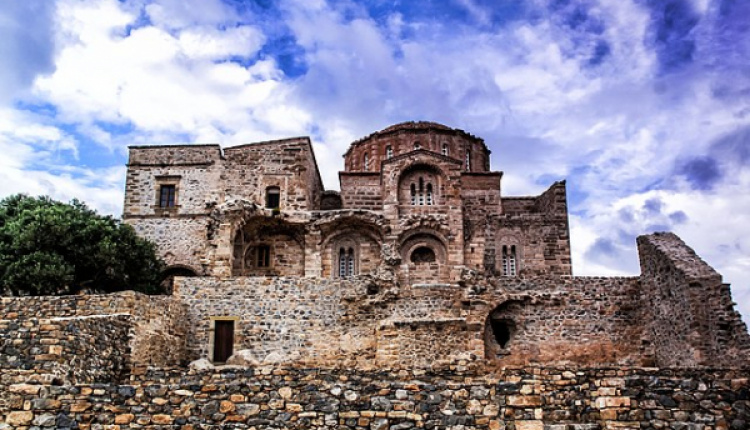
point(74, 349)
point(182, 241)
point(584, 320)
point(157, 337)
point(678, 285)
point(283, 398)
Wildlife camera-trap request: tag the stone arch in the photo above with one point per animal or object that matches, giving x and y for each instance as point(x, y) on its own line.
point(424, 256)
point(168, 275)
point(421, 184)
point(359, 236)
point(423, 238)
point(268, 246)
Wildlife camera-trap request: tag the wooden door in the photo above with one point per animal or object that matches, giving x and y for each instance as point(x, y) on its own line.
point(223, 340)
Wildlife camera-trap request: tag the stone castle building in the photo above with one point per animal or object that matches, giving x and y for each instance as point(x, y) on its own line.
point(417, 297)
point(419, 258)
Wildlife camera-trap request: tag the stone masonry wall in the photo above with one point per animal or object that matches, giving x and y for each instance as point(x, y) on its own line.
point(181, 241)
point(456, 399)
point(363, 323)
point(157, 337)
point(539, 231)
point(678, 285)
point(65, 349)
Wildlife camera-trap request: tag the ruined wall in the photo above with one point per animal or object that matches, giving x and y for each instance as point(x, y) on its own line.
point(677, 284)
point(65, 349)
point(284, 398)
point(361, 322)
point(285, 316)
point(480, 193)
point(580, 320)
point(155, 323)
point(538, 228)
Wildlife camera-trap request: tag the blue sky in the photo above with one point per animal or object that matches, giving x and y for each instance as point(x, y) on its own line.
point(643, 106)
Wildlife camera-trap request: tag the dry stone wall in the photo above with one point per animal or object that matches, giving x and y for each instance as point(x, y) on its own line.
point(155, 336)
point(65, 349)
point(456, 399)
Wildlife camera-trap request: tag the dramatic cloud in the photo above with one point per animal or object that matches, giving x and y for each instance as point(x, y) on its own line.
point(643, 106)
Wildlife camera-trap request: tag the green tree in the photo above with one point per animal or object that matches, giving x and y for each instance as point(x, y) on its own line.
point(51, 248)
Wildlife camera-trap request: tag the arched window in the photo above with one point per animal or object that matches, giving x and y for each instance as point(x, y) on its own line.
point(468, 160)
point(417, 146)
point(346, 262)
point(273, 197)
point(423, 254)
point(421, 193)
point(388, 152)
point(366, 162)
point(445, 149)
point(509, 260)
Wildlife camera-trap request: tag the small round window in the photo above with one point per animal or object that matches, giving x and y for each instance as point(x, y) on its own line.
point(423, 254)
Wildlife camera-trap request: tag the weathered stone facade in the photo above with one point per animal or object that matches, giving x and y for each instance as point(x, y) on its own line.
point(418, 296)
point(418, 259)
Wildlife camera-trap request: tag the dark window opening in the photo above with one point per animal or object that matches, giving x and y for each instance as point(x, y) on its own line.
point(501, 330)
point(372, 289)
point(167, 196)
point(273, 197)
point(223, 340)
point(263, 256)
point(423, 254)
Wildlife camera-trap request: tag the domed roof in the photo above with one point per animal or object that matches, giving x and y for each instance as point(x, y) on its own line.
point(412, 126)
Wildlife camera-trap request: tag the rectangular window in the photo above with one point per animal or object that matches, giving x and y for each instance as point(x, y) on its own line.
point(167, 196)
point(273, 197)
point(388, 152)
point(263, 256)
point(223, 340)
